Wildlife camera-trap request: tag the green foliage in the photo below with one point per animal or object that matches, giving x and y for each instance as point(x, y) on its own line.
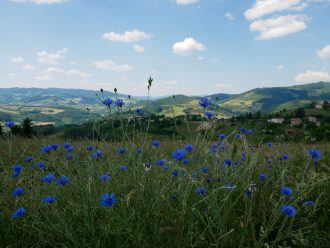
point(27, 129)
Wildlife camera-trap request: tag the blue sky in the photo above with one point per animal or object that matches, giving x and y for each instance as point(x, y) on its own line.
point(193, 47)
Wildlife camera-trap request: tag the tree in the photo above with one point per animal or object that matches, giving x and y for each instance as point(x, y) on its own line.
point(326, 105)
point(1, 132)
point(27, 129)
point(300, 112)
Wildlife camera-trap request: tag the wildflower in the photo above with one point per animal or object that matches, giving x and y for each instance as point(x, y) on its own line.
point(119, 102)
point(90, 148)
point(49, 199)
point(175, 173)
point(209, 114)
point(18, 192)
point(69, 157)
point(238, 136)
point(108, 200)
point(166, 168)
point(123, 168)
point(63, 180)
point(251, 189)
point(161, 162)
point(155, 143)
point(40, 165)
point(178, 154)
point(29, 158)
point(201, 191)
point(121, 150)
point(107, 102)
point(314, 153)
point(189, 147)
point(269, 161)
point(173, 197)
point(222, 136)
point(204, 102)
point(309, 203)
point(105, 177)
point(205, 170)
point(262, 177)
point(70, 149)
point(17, 168)
point(10, 124)
point(138, 150)
point(185, 161)
point(138, 111)
point(214, 148)
point(270, 144)
point(46, 149)
point(208, 179)
point(99, 152)
point(243, 156)
point(289, 210)
point(286, 191)
point(194, 175)
point(228, 162)
point(66, 145)
point(48, 178)
point(94, 155)
point(55, 146)
point(18, 213)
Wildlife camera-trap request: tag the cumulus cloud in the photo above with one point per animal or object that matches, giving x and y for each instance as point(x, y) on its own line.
point(17, 60)
point(264, 7)
point(28, 67)
point(230, 16)
point(72, 72)
point(43, 78)
point(186, 2)
point(110, 65)
point(137, 48)
point(127, 37)
point(324, 53)
point(51, 58)
point(312, 77)
point(279, 26)
point(187, 46)
point(47, 2)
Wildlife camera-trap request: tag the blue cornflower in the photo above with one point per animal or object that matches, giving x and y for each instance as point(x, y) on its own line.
point(161, 162)
point(46, 149)
point(173, 197)
point(270, 144)
point(99, 152)
point(286, 191)
point(289, 210)
point(94, 155)
point(194, 175)
point(185, 161)
point(18, 192)
point(17, 168)
point(123, 168)
point(49, 199)
point(155, 143)
point(105, 177)
point(90, 148)
point(40, 165)
point(214, 148)
point(18, 213)
point(201, 191)
point(269, 161)
point(63, 180)
point(243, 156)
point(238, 136)
point(119, 102)
point(189, 147)
point(55, 146)
point(69, 157)
point(222, 136)
point(262, 176)
point(10, 124)
point(29, 158)
point(70, 149)
point(121, 150)
point(138, 111)
point(107, 102)
point(209, 114)
point(316, 154)
point(205, 170)
point(66, 145)
point(204, 102)
point(285, 157)
point(228, 162)
point(175, 173)
point(138, 150)
point(208, 179)
point(178, 154)
point(166, 168)
point(309, 203)
point(248, 131)
point(48, 178)
point(108, 200)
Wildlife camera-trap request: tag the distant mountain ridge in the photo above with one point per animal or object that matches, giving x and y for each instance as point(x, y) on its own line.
point(66, 106)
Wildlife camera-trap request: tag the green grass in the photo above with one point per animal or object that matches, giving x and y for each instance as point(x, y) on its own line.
point(146, 215)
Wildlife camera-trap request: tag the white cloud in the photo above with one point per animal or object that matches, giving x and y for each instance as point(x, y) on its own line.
point(230, 16)
point(187, 46)
point(55, 70)
point(43, 78)
point(110, 65)
point(200, 58)
point(264, 7)
point(186, 2)
point(280, 26)
point(222, 86)
point(280, 67)
point(78, 73)
point(49, 58)
point(169, 82)
point(28, 67)
point(137, 48)
point(17, 60)
point(39, 1)
point(127, 37)
point(324, 53)
point(312, 77)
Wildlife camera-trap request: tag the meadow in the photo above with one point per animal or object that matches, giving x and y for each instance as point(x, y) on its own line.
point(212, 190)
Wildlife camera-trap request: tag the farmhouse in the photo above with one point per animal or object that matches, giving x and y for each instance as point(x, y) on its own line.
point(318, 106)
point(296, 122)
point(276, 120)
